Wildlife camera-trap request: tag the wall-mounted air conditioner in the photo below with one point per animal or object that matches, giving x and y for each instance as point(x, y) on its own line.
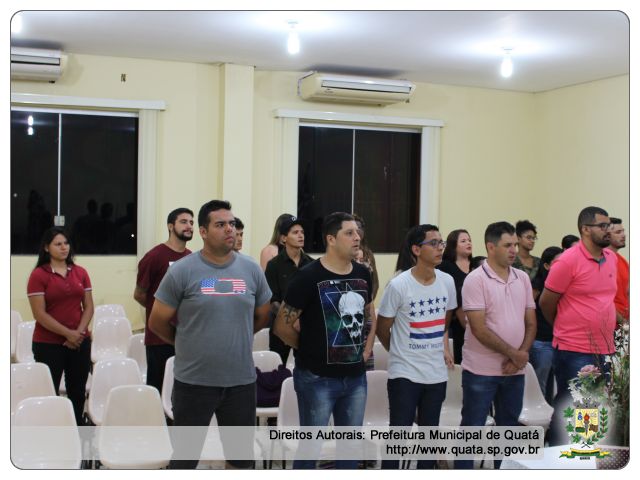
point(36, 64)
point(350, 89)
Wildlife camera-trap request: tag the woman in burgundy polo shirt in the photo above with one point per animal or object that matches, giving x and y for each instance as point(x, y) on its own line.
point(59, 293)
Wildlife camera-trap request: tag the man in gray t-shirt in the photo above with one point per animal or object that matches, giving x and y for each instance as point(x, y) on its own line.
point(221, 299)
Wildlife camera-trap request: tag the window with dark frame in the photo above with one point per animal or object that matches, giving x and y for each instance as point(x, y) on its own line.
point(374, 173)
point(89, 187)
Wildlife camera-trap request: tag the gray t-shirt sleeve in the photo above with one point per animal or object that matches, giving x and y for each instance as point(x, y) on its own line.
point(263, 292)
point(170, 290)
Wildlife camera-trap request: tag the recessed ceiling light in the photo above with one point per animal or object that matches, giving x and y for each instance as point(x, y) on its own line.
point(293, 41)
point(16, 23)
point(506, 67)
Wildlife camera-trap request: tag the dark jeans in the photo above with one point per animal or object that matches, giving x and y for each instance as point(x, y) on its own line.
point(456, 333)
point(319, 397)
point(75, 364)
point(405, 397)
point(479, 391)
point(566, 366)
point(278, 346)
point(157, 356)
point(194, 405)
point(541, 358)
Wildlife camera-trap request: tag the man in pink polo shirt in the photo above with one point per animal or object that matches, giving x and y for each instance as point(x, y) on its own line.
point(498, 303)
point(578, 301)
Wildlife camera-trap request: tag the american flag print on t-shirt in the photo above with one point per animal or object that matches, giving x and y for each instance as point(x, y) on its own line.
point(427, 318)
point(223, 286)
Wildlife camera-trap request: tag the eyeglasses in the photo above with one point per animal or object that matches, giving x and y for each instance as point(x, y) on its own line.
point(529, 237)
point(603, 226)
point(433, 243)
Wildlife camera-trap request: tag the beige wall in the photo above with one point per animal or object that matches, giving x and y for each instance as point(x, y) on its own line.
point(497, 149)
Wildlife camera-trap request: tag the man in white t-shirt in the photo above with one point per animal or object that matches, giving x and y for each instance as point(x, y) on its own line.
point(413, 320)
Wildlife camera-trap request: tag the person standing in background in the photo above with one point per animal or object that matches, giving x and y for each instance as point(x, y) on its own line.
point(151, 271)
point(60, 297)
point(274, 246)
point(456, 261)
point(239, 234)
point(618, 241)
point(527, 236)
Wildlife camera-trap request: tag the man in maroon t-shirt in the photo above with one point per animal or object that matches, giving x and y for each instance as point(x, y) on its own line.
point(151, 270)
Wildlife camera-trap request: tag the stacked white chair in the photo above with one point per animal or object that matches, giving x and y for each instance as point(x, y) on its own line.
point(266, 361)
point(380, 356)
point(134, 448)
point(451, 412)
point(108, 374)
point(57, 448)
point(16, 319)
point(376, 411)
point(110, 338)
point(261, 340)
point(535, 409)
point(30, 380)
point(167, 388)
point(136, 350)
point(108, 310)
point(24, 338)
point(291, 360)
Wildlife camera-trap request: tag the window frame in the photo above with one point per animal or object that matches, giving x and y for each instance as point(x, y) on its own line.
point(287, 134)
point(147, 112)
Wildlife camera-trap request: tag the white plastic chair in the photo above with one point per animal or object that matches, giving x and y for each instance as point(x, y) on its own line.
point(137, 351)
point(167, 388)
point(108, 310)
point(266, 361)
point(376, 411)
point(57, 448)
point(380, 356)
point(30, 380)
point(134, 406)
point(16, 319)
point(261, 340)
point(110, 338)
point(108, 374)
point(24, 339)
point(535, 409)
point(291, 360)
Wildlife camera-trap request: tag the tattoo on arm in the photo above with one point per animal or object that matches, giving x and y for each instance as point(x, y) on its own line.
point(290, 314)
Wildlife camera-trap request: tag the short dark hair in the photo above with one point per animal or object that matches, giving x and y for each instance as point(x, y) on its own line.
point(588, 215)
point(524, 226)
point(452, 245)
point(171, 219)
point(239, 224)
point(207, 208)
point(494, 232)
point(332, 224)
point(568, 240)
point(47, 238)
point(417, 234)
point(615, 221)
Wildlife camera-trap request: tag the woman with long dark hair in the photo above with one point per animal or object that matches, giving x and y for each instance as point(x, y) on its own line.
point(59, 294)
point(456, 261)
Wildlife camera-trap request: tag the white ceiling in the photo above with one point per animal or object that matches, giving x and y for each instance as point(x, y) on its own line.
point(551, 49)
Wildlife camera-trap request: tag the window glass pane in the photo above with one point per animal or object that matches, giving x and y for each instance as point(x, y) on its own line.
point(99, 182)
point(34, 173)
point(325, 164)
point(387, 186)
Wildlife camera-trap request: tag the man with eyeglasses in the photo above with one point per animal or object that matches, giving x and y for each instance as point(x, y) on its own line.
point(527, 236)
point(413, 323)
point(221, 298)
point(618, 241)
point(498, 302)
point(578, 301)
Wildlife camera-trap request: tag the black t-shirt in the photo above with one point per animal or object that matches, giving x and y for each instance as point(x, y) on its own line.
point(332, 338)
point(458, 279)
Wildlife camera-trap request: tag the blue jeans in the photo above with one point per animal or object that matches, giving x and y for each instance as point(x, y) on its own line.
point(405, 397)
point(566, 365)
point(319, 397)
point(479, 391)
point(541, 358)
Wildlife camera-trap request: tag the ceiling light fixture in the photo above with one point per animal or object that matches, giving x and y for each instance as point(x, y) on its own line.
point(16, 23)
point(293, 42)
point(506, 67)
